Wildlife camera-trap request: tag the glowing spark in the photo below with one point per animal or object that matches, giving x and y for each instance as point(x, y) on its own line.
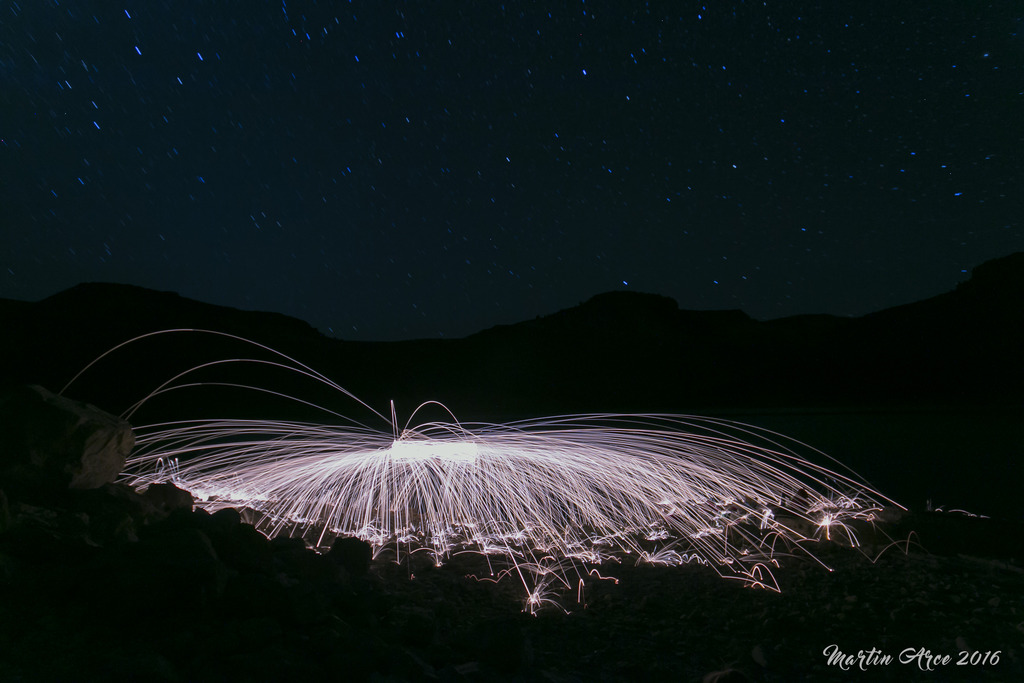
point(449, 451)
point(549, 496)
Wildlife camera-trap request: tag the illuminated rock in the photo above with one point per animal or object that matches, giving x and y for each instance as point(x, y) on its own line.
point(53, 442)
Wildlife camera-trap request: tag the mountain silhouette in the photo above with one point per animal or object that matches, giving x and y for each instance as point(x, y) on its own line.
point(923, 399)
point(618, 351)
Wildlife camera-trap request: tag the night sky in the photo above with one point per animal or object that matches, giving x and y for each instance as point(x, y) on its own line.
point(390, 170)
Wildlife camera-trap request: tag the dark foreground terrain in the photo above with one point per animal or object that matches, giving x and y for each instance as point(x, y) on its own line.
point(110, 585)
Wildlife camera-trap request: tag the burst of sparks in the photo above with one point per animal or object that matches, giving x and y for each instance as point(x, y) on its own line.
point(549, 496)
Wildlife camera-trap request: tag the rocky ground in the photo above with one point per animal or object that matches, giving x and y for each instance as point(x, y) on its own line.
point(98, 582)
point(110, 585)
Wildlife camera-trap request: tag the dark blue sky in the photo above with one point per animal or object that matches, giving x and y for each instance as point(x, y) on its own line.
point(390, 170)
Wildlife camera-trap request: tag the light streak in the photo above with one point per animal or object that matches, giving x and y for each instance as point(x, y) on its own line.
point(552, 497)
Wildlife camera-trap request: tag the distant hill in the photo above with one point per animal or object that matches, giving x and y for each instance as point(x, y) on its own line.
point(922, 399)
point(619, 351)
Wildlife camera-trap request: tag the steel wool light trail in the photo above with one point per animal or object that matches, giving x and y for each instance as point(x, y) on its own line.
point(550, 499)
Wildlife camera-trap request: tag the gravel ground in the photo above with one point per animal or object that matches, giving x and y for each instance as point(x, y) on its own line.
point(90, 590)
point(686, 623)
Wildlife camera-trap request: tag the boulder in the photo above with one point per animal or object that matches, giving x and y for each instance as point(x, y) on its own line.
point(167, 497)
point(353, 554)
point(224, 521)
point(243, 548)
point(174, 566)
point(52, 442)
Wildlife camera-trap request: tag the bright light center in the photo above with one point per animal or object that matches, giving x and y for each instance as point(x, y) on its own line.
point(453, 451)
